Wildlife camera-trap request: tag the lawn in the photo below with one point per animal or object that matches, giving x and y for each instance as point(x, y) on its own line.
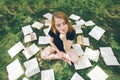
point(14, 14)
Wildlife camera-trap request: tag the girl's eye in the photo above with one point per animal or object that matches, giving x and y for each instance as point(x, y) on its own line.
point(64, 23)
point(57, 25)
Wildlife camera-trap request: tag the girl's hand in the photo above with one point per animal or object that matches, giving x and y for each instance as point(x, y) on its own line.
point(62, 36)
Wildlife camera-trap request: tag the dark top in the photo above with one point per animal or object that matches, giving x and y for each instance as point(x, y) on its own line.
point(58, 42)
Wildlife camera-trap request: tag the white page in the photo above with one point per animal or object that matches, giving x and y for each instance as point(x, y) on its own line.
point(106, 51)
point(46, 31)
point(27, 30)
point(47, 22)
point(89, 23)
point(82, 63)
point(34, 48)
point(30, 37)
point(44, 40)
point(80, 22)
point(76, 76)
point(111, 61)
point(47, 74)
point(97, 74)
point(30, 73)
point(14, 70)
point(15, 49)
point(96, 32)
point(92, 54)
point(32, 67)
point(48, 16)
point(25, 78)
point(78, 29)
point(74, 17)
point(78, 49)
point(37, 25)
point(80, 39)
point(86, 41)
point(30, 51)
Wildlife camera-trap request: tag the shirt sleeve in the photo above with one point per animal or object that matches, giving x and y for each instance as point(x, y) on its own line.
point(71, 36)
point(51, 33)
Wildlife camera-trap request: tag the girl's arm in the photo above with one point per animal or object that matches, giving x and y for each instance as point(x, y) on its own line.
point(53, 45)
point(66, 43)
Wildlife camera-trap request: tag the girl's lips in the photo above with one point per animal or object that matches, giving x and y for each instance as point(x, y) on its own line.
point(62, 31)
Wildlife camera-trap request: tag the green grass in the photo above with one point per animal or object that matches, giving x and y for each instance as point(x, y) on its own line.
point(18, 13)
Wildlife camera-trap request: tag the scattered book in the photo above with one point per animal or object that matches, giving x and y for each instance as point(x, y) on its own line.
point(14, 70)
point(80, 39)
point(97, 74)
point(89, 23)
point(78, 49)
point(37, 25)
point(74, 17)
point(44, 40)
point(97, 32)
point(106, 51)
point(30, 37)
point(108, 56)
point(47, 74)
point(15, 49)
point(82, 63)
point(31, 67)
point(78, 29)
point(76, 76)
point(47, 23)
point(80, 22)
point(92, 54)
point(30, 51)
point(46, 31)
point(27, 30)
point(48, 16)
point(25, 78)
point(86, 41)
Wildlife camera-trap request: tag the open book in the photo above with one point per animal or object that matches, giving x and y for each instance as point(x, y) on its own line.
point(47, 74)
point(30, 51)
point(48, 16)
point(32, 67)
point(27, 30)
point(30, 37)
point(15, 49)
point(96, 32)
point(74, 17)
point(76, 76)
point(44, 40)
point(37, 25)
point(83, 40)
point(82, 63)
point(14, 70)
point(108, 56)
point(97, 74)
point(89, 23)
point(92, 54)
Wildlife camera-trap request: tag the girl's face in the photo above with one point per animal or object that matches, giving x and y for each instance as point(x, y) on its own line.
point(60, 25)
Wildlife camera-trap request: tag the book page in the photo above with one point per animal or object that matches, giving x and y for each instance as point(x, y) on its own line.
point(27, 30)
point(97, 74)
point(76, 76)
point(44, 40)
point(14, 70)
point(47, 74)
point(82, 63)
point(74, 17)
point(37, 25)
point(15, 49)
point(96, 32)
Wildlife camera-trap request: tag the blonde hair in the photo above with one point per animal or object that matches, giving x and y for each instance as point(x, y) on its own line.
point(61, 15)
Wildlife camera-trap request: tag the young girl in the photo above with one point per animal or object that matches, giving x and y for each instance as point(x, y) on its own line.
point(62, 35)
